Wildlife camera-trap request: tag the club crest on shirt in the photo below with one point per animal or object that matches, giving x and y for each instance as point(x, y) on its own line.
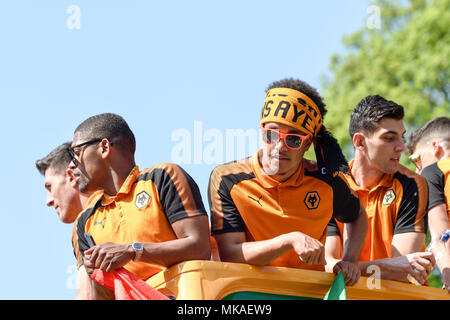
point(142, 200)
point(312, 200)
point(389, 197)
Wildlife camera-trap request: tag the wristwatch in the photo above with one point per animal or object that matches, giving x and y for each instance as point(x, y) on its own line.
point(138, 249)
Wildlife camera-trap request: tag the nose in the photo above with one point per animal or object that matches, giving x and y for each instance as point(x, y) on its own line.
point(401, 146)
point(280, 145)
point(50, 201)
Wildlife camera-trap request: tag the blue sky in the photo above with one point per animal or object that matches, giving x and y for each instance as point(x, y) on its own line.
point(198, 68)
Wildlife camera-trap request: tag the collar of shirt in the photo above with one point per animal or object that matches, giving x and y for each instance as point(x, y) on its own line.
point(386, 180)
point(268, 182)
point(124, 189)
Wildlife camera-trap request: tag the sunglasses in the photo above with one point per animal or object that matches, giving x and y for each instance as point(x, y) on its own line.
point(291, 140)
point(71, 150)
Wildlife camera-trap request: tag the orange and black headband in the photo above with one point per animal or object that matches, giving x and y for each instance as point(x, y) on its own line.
point(292, 108)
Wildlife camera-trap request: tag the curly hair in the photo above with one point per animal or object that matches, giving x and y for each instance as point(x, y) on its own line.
point(303, 87)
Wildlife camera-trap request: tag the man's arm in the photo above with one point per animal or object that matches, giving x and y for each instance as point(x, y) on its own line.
point(233, 247)
point(333, 251)
point(438, 223)
point(406, 259)
point(192, 244)
point(354, 237)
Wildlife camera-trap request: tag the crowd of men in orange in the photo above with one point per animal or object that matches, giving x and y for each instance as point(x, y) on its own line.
point(273, 208)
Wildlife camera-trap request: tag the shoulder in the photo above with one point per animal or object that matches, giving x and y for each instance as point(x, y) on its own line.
point(233, 172)
point(410, 179)
point(433, 170)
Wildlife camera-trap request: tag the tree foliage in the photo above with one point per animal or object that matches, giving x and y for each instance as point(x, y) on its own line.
point(405, 60)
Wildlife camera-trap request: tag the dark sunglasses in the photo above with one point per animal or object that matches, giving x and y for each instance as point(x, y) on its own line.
point(291, 140)
point(71, 150)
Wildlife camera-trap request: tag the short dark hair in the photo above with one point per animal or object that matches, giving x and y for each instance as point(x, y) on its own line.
point(437, 127)
point(110, 126)
point(304, 88)
point(370, 111)
point(58, 160)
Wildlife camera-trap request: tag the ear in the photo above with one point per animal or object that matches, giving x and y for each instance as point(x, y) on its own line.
point(72, 178)
point(105, 148)
point(438, 151)
point(359, 141)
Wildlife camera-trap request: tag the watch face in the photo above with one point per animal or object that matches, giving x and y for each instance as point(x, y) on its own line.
point(137, 246)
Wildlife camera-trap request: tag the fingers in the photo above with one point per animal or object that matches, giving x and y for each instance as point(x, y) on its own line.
point(313, 256)
point(350, 271)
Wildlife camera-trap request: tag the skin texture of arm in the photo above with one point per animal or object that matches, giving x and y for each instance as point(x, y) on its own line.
point(192, 244)
point(438, 223)
point(234, 248)
point(406, 259)
point(355, 235)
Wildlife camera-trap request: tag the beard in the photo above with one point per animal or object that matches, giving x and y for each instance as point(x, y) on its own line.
point(83, 184)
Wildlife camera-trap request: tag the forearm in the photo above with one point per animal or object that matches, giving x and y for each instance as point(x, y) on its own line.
point(356, 232)
point(388, 269)
point(174, 251)
point(256, 252)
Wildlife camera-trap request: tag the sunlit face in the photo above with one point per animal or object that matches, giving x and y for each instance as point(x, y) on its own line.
point(89, 165)
point(278, 160)
point(62, 196)
point(383, 149)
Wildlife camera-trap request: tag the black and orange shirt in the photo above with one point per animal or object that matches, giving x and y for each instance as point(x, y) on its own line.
point(243, 198)
point(143, 210)
point(398, 204)
point(438, 179)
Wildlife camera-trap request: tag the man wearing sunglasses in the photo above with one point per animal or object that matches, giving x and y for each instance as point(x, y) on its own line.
point(394, 197)
point(63, 194)
point(273, 207)
point(141, 220)
point(429, 147)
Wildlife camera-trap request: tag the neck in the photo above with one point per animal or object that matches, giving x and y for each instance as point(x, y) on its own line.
point(116, 178)
point(365, 175)
point(268, 170)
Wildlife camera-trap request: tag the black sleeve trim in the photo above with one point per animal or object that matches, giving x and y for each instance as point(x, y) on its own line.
point(409, 207)
point(436, 182)
point(345, 205)
point(81, 226)
point(170, 199)
point(332, 228)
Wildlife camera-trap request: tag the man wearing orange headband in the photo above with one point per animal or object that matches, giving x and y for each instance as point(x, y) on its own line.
point(273, 208)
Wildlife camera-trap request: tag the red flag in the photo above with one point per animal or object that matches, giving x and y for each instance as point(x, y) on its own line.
point(127, 286)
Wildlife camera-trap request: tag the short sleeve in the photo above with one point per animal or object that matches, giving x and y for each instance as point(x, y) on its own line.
point(225, 216)
point(178, 192)
point(436, 182)
point(332, 228)
point(412, 213)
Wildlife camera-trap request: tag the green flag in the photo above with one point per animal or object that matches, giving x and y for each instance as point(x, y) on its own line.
point(337, 290)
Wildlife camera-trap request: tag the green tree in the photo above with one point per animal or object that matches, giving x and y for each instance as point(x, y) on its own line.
point(405, 60)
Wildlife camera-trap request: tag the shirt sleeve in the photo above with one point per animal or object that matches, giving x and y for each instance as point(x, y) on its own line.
point(436, 182)
point(346, 204)
point(332, 228)
point(225, 216)
point(178, 192)
point(412, 213)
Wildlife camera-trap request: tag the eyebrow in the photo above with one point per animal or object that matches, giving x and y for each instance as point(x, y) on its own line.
point(394, 132)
